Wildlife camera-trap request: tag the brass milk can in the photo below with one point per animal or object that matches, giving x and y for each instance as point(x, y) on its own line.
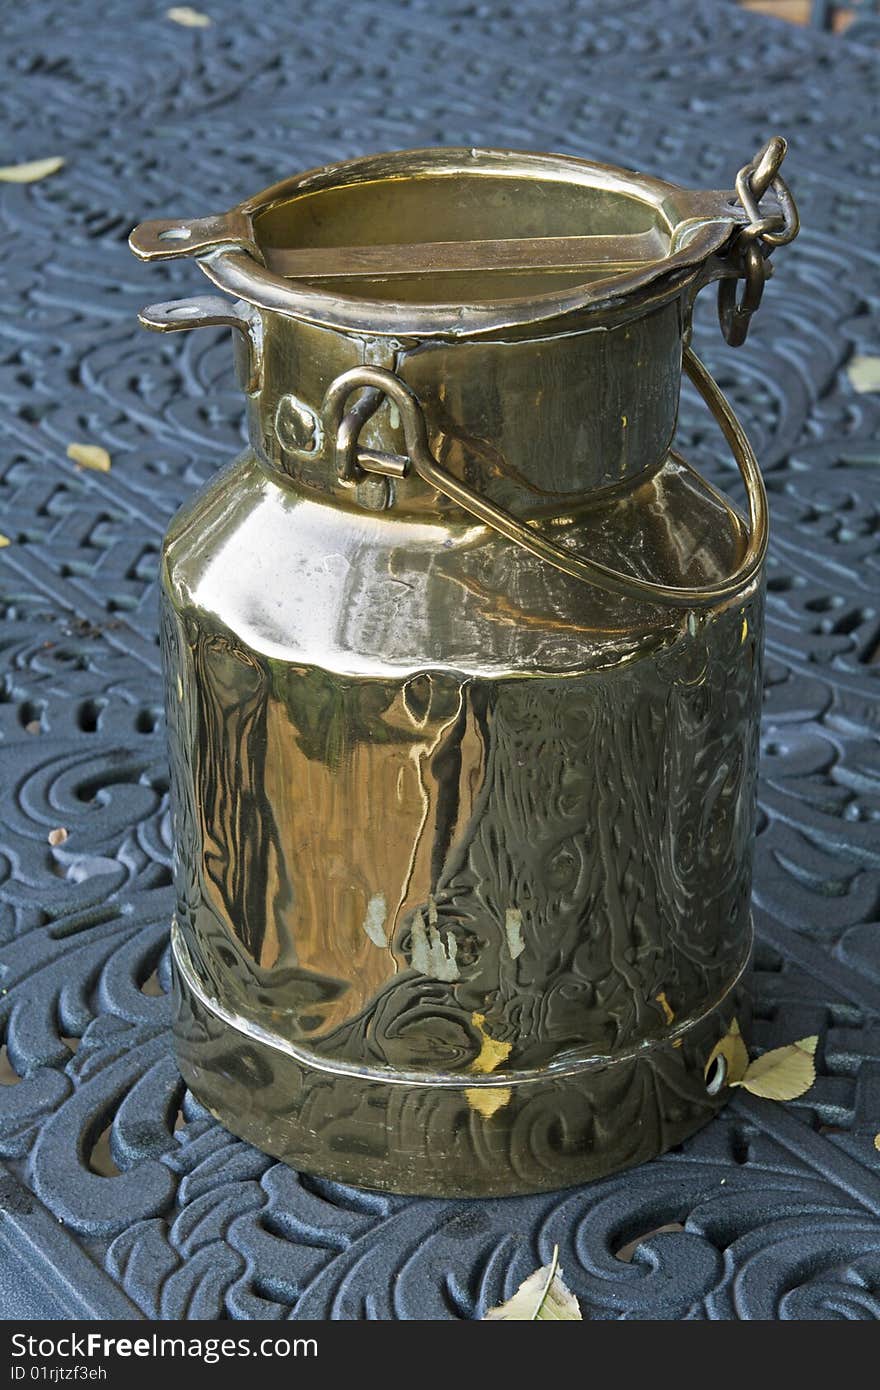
point(464, 670)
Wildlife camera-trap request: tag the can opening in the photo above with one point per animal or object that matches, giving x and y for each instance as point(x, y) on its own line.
point(467, 235)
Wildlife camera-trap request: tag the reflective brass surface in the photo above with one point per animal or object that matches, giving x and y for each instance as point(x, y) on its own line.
point(344, 427)
point(533, 425)
point(463, 843)
point(439, 812)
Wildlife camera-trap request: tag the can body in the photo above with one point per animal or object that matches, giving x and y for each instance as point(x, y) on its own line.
point(463, 676)
point(463, 850)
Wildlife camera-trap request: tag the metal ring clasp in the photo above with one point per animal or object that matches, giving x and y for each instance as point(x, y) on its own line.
point(752, 182)
point(755, 241)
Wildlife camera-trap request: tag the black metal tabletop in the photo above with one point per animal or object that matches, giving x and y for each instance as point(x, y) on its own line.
point(119, 1196)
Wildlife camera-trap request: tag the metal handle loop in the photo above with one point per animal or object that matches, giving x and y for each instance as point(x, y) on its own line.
point(752, 182)
point(748, 256)
point(420, 458)
point(734, 313)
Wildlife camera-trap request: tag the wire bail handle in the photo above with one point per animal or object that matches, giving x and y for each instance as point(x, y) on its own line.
point(343, 426)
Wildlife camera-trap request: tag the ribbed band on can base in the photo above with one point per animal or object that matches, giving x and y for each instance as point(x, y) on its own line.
point(451, 1136)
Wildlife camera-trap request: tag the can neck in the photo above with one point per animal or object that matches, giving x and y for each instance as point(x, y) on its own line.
point(536, 425)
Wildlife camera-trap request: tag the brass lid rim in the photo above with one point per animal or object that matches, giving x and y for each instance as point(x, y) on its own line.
point(233, 262)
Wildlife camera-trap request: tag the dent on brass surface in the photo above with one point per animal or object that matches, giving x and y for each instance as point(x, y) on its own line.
point(463, 845)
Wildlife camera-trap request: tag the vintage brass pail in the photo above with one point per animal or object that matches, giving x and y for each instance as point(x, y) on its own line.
point(464, 670)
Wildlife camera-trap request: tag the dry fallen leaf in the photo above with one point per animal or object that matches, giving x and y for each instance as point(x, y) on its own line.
point(32, 171)
point(543, 1296)
point(57, 836)
point(188, 17)
point(89, 456)
point(784, 1073)
point(626, 1252)
point(4, 540)
point(877, 1142)
point(864, 373)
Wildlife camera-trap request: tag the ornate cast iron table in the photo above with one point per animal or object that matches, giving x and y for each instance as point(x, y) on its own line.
point(119, 1197)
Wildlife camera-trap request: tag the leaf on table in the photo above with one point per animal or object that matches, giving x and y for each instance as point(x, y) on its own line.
point(4, 540)
point(864, 373)
point(188, 17)
point(784, 1073)
point(32, 171)
point(89, 456)
point(543, 1296)
point(732, 1048)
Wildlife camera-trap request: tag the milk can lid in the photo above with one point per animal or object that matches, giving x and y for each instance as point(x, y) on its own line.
point(457, 243)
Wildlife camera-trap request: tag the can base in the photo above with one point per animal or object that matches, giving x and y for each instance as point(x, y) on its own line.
point(449, 1136)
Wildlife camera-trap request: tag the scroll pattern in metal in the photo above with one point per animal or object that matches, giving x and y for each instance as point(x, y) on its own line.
point(775, 1209)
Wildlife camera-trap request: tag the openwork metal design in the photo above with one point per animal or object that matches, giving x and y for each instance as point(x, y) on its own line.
point(779, 1205)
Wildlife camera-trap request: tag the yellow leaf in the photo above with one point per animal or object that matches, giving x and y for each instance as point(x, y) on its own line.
point(784, 1073)
point(31, 172)
point(488, 1099)
point(541, 1297)
point(89, 456)
point(492, 1053)
point(188, 17)
point(877, 1142)
point(57, 836)
point(732, 1050)
point(4, 540)
point(864, 373)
